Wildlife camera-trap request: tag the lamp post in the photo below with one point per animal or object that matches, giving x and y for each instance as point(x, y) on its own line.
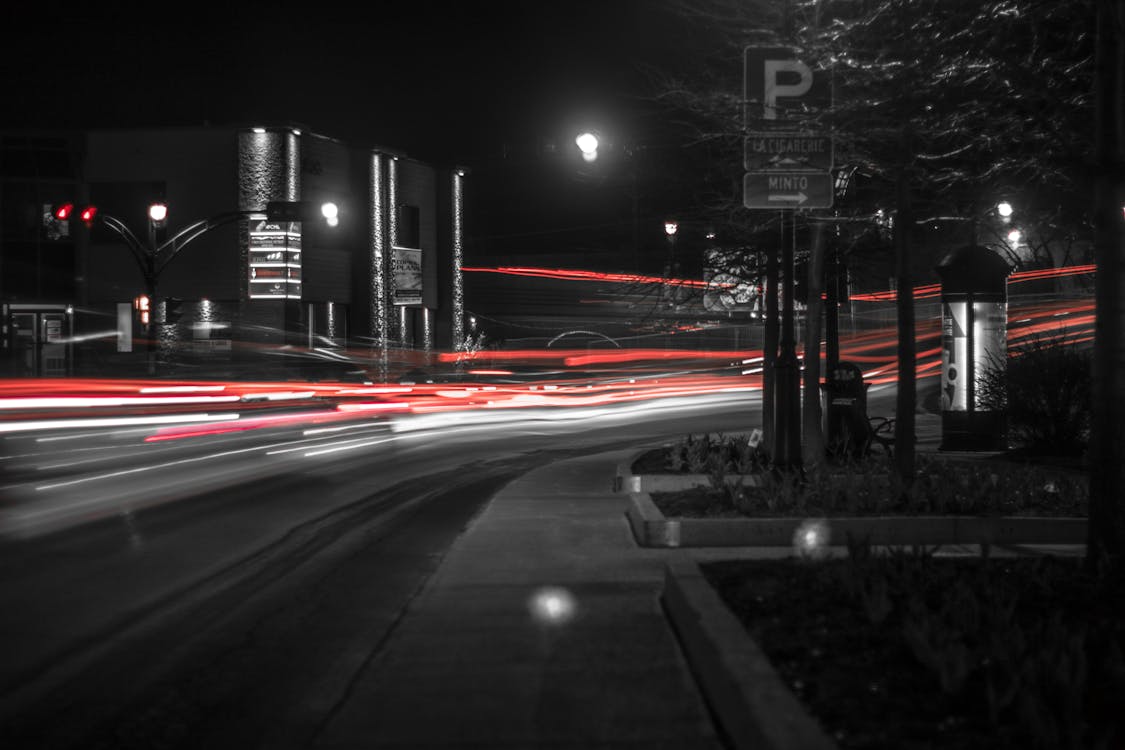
point(152, 258)
point(670, 271)
point(590, 144)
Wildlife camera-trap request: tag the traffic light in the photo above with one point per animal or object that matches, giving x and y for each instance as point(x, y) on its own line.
point(173, 309)
point(141, 305)
point(56, 219)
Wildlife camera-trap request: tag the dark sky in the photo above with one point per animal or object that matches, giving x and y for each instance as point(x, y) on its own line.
point(442, 81)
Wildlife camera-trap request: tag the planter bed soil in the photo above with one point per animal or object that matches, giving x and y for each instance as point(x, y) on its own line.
point(864, 683)
point(706, 502)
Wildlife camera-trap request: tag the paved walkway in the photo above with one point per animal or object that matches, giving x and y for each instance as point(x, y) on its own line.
point(543, 627)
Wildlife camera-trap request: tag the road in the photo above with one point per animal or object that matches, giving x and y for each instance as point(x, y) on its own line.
point(179, 561)
point(180, 620)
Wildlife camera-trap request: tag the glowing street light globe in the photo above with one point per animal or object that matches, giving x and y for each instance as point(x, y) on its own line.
point(670, 228)
point(1004, 209)
point(158, 212)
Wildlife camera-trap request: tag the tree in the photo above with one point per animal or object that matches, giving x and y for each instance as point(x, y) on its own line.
point(991, 99)
point(1106, 541)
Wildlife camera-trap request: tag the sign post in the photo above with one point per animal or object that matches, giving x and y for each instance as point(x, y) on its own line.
point(788, 166)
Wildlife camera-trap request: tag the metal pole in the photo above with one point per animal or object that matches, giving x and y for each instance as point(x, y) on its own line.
point(150, 289)
point(787, 433)
point(769, 345)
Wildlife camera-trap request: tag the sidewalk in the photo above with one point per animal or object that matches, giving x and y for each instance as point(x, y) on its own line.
point(474, 664)
point(542, 628)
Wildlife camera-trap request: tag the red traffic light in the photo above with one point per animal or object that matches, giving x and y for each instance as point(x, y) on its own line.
point(141, 305)
point(88, 215)
point(63, 212)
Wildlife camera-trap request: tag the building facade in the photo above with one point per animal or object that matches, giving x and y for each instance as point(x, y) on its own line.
point(226, 280)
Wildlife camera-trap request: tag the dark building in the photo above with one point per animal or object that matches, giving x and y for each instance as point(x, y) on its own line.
point(228, 278)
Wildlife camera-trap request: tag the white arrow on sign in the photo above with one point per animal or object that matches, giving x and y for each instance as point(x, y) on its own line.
point(799, 197)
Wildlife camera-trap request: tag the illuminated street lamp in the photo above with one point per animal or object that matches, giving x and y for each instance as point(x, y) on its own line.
point(158, 214)
point(331, 213)
point(1005, 210)
point(153, 258)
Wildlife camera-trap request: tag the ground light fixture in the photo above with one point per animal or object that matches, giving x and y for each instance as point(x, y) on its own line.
point(587, 143)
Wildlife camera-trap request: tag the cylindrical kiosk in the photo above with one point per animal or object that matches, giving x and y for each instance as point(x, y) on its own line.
point(974, 340)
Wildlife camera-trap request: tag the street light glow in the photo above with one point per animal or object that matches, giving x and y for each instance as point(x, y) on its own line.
point(330, 211)
point(158, 212)
point(1014, 236)
point(1004, 209)
point(670, 228)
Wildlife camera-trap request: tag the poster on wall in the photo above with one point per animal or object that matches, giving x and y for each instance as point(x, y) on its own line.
point(955, 369)
point(408, 276)
point(275, 260)
point(990, 345)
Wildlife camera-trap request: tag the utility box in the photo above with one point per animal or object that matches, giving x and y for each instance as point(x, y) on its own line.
point(846, 429)
point(974, 347)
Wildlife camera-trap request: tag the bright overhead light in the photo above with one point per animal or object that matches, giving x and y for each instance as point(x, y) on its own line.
point(158, 212)
point(1004, 209)
point(1014, 236)
point(670, 227)
point(330, 210)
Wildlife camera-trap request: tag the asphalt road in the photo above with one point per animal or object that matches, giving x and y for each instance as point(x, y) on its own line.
point(216, 592)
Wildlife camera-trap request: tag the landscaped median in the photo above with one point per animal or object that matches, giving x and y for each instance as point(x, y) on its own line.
point(904, 649)
point(967, 503)
point(754, 706)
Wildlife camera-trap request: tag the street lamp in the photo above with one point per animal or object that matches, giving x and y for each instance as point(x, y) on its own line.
point(158, 214)
point(153, 258)
point(331, 213)
point(1004, 209)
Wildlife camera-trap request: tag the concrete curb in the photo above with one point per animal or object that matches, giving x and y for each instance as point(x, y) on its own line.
point(751, 703)
point(676, 482)
point(652, 529)
point(624, 480)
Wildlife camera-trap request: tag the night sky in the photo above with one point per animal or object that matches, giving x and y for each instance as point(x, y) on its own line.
point(443, 81)
point(476, 84)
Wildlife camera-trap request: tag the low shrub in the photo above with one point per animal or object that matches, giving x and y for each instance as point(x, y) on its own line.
point(1045, 389)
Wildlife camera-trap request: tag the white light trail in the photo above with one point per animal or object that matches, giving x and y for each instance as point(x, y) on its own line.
point(64, 424)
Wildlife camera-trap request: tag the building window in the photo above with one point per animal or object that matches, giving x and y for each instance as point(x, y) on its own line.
point(409, 226)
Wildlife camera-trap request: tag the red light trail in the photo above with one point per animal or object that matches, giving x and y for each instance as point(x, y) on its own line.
point(920, 292)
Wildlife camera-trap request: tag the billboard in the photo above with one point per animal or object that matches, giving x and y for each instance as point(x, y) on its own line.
point(275, 260)
point(408, 276)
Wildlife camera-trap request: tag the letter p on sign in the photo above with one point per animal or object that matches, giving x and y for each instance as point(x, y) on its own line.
point(779, 87)
point(773, 88)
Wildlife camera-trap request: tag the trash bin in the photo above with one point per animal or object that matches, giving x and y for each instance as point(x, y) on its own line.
point(846, 429)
